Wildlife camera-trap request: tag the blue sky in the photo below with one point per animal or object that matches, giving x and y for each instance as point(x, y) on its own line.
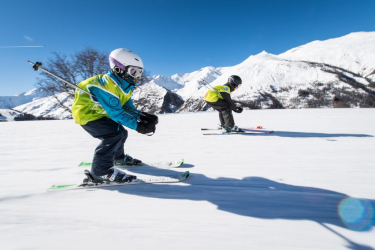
point(171, 36)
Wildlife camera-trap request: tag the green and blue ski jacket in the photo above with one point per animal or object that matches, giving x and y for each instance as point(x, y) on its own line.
point(111, 93)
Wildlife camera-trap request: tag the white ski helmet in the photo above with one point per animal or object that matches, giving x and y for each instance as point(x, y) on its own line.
point(126, 64)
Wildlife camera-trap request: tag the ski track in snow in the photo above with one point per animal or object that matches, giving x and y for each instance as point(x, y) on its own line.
point(310, 185)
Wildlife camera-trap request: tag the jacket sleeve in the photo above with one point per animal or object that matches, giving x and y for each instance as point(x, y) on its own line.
point(228, 99)
point(112, 105)
point(129, 104)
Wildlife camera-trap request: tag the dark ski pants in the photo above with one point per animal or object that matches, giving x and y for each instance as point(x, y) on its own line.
point(113, 137)
point(225, 112)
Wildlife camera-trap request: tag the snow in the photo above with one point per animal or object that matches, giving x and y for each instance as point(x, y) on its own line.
point(36, 92)
point(353, 52)
point(310, 185)
point(166, 82)
point(191, 81)
point(7, 115)
point(48, 106)
point(21, 98)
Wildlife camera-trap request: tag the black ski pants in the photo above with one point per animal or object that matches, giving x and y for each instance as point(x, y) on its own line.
point(225, 112)
point(113, 137)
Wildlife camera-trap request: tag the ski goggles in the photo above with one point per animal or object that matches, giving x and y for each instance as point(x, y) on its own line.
point(134, 72)
point(235, 82)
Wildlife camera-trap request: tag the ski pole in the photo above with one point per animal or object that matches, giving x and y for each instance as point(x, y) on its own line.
point(210, 87)
point(38, 65)
point(134, 110)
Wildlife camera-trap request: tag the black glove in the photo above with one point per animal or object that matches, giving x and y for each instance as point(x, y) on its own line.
point(149, 118)
point(238, 110)
point(146, 128)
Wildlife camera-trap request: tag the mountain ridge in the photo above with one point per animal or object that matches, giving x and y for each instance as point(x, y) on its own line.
point(338, 72)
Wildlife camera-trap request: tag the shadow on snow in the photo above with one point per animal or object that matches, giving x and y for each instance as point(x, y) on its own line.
point(262, 198)
point(309, 134)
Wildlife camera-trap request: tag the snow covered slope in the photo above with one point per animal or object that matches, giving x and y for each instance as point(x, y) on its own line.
point(310, 185)
point(7, 102)
point(48, 107)
point(7, 115)
point(153, 98)
point(354, 52)
point(191, 81)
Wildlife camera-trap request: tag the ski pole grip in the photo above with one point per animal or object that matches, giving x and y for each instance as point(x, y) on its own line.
point(37, 65)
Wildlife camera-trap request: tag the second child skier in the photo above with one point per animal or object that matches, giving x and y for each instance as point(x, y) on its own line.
point(219, 98)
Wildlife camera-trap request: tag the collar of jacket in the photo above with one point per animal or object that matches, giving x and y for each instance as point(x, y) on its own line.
point(121, 82)
point(230, 86)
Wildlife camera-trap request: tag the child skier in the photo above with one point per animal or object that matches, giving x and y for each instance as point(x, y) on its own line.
point(219, 99)
point(104, 114)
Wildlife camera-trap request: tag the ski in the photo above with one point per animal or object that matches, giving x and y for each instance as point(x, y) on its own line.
point(162, 164)
point(253, 128)
point(250, 128)
point(143, 180)
point(242, 133)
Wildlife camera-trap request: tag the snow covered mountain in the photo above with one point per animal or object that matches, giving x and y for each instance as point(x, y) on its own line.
point(338, 72)
point(7, 115)
point(153, 98)
point(49, 107)
point(7, 102)
point(354, 52)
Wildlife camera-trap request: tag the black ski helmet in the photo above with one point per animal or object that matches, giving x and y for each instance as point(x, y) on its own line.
point(234, 81)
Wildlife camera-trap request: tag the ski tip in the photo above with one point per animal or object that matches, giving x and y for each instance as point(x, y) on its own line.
point(185, 175)
point(178, 163)
point(85, 164)
point(59, 187)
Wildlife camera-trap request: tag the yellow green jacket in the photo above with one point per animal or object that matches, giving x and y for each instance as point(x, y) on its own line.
point(214, 96)
point(111, 93)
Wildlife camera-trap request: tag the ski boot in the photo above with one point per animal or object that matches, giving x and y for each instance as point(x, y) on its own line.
point(117, 176)
point(90, 180)
point(127, 160)
point(234, 129)
point(220, 127)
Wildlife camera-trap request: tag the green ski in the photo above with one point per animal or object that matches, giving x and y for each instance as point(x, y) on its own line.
point(143, 180)
point(163, 164)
